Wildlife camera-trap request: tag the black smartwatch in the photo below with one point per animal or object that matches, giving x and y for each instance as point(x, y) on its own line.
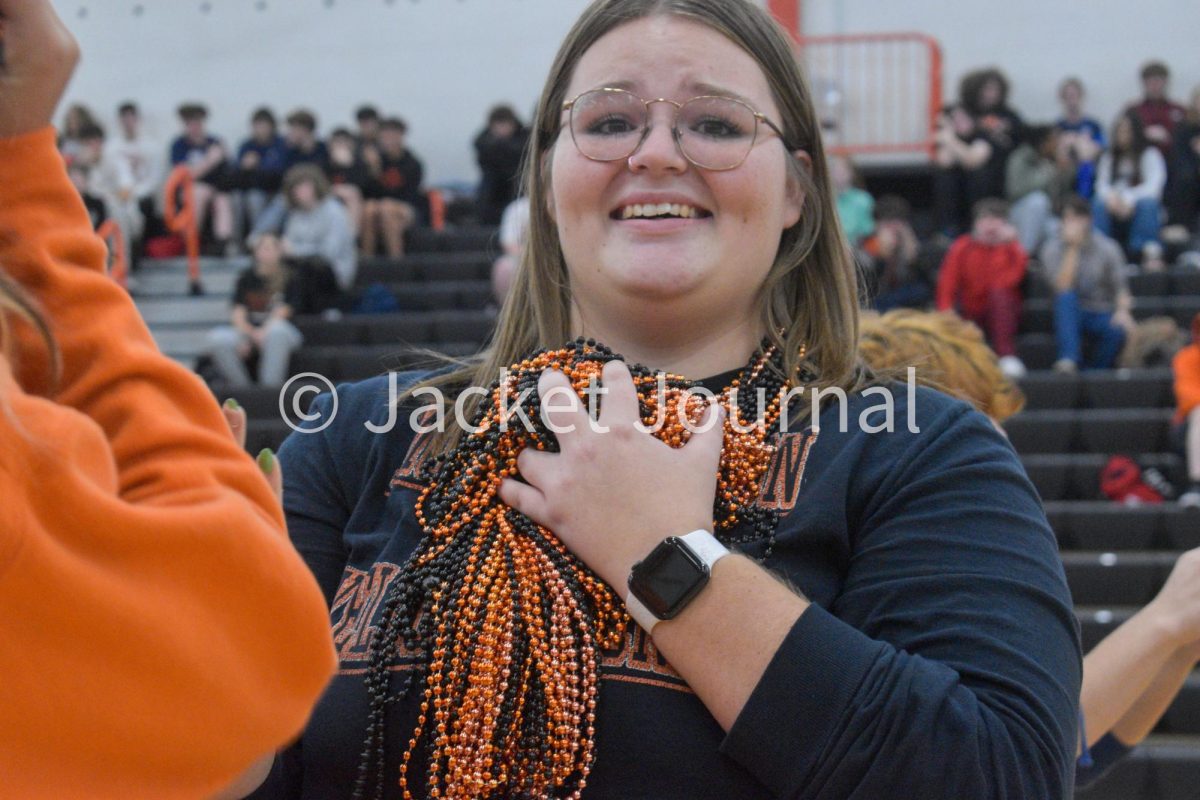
point(663, 583)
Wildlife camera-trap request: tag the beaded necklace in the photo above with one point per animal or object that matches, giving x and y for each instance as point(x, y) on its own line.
point(509, 623)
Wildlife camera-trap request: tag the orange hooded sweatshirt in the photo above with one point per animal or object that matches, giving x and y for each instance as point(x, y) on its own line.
point(158, 632)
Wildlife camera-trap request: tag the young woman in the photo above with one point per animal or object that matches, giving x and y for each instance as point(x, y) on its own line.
point(160, 633)
point(1129, 190)
point(895, 621)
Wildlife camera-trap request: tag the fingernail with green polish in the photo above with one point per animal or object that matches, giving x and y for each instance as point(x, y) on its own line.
point(266, 460)
point(232, 404)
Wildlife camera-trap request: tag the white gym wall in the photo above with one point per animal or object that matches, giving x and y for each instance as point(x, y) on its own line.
point(442, 63)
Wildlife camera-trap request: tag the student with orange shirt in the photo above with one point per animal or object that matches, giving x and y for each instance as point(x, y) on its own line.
point(159, 631)
point(1186, 431)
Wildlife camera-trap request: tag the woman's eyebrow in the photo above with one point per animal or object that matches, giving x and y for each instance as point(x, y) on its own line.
point(701, 88)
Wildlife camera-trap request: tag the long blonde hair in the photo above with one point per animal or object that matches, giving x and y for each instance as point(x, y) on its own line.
point(809, 297)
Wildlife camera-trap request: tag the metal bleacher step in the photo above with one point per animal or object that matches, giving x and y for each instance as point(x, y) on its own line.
point(1046, 390)
point(1116, 578)
point(169, 276)
point(1101, 525)
point(183, 310)
point(1164, 767)
point(183, 343)
point(1060, 475)
point(171, 283)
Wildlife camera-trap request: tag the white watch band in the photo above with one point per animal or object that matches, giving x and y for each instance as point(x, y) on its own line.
point(706, 547)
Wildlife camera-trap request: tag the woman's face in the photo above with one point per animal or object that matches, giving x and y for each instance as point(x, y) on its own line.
point(989, 95)
point(713, 262)
point(304, 194)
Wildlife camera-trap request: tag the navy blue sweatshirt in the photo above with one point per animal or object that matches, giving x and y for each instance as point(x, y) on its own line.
point(940, 657)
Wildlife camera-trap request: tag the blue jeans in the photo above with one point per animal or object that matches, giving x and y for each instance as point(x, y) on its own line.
point(1142, 226)
point(1072, 324)
point(906, 295)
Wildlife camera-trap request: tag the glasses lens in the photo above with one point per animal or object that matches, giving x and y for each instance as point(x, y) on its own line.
point(716, 132)
point(607, 125)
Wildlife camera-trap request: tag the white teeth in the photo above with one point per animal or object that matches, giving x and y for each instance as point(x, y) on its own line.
point(659, 210)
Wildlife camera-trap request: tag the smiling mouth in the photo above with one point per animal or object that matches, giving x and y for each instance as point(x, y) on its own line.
point(659, 211)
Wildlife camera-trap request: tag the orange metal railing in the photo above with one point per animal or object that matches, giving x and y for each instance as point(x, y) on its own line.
point(437, 209)
point(181, 219)
point(877, 92)
point(118, 262)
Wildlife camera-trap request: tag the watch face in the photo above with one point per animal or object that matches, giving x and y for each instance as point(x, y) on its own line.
point(668, 578)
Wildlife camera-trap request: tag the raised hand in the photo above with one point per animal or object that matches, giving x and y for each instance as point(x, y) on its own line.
point(39, 55)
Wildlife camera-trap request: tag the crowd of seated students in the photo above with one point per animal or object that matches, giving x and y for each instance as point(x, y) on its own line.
point(1001, 189)
point(371, 173)
point(1063, 202)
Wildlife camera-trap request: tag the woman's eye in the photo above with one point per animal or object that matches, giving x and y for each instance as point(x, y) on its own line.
point(611, 125)
point(716, 128)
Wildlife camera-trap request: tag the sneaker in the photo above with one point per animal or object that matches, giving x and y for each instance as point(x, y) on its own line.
point(1066, 366)
point(1012, 367)
point(1191, 498)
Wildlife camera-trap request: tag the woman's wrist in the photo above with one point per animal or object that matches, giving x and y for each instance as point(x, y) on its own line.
point(617, 572)
point(1167, 627)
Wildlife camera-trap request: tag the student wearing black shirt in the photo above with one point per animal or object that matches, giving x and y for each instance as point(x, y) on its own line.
point(499, 149)
point(348, 174)
point(394, 193)
point(848, 609)
point(303, 146)
point(260, 328)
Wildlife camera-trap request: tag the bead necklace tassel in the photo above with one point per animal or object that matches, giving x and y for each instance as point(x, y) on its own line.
point(509, 624)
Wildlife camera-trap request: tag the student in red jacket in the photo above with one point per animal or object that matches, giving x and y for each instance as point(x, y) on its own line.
point(981, 278)
point(159, 631)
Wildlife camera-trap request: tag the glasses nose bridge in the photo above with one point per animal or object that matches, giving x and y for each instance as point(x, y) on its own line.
point(674, 115)
point(673, 129)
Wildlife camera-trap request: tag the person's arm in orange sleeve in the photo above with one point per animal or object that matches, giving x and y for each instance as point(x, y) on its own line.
point(1186, 368)
point(948, 277)
point(160, 633)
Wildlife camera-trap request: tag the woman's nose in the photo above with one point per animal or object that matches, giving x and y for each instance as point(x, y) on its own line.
point(659, 149)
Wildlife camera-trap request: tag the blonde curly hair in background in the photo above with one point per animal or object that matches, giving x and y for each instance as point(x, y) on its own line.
point(948, 353)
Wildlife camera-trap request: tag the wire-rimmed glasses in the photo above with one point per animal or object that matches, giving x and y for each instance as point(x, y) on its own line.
point(713, 132)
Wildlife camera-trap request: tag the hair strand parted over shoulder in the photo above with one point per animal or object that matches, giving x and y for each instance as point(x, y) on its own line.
point(809, 296)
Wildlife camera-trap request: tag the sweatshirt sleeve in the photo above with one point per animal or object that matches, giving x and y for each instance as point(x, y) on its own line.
point(160, 632)
point(949, 666)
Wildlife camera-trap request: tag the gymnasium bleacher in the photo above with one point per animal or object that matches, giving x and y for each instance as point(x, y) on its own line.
point(1116, 557)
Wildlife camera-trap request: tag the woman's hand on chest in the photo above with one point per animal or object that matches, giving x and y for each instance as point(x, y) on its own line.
point(614, 491)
